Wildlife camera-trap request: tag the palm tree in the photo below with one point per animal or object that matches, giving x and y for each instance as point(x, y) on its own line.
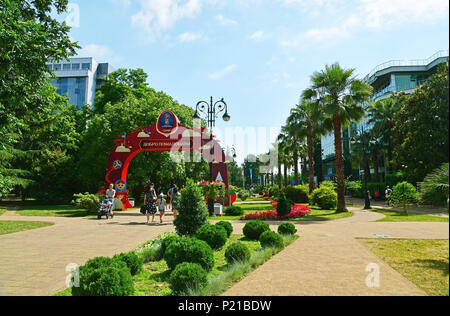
point(381, 115)
point(342, 97)
point(293, 129)
point(284, 152)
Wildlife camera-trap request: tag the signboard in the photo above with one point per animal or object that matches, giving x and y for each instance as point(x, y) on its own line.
point(167, 123)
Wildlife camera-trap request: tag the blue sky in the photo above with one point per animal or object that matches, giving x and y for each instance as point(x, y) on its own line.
point(257, 54)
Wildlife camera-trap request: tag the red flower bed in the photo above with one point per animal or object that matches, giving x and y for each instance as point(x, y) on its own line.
point(297, 210)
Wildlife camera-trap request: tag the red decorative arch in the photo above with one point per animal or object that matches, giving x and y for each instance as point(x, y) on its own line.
point(166, 135)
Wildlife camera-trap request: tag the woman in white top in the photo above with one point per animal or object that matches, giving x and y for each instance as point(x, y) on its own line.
point(110, 195)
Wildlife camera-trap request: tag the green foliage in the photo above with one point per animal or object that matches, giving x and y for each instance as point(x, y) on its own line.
point(237, 252)
point(435, 187)
point(151, 251)
point(274, 191)
point(131, 259)
point(227, 226)
point(244, 195)
point(297, 194)
point(284, 205)
point(187, 277)
point(394, 178)
point(422, 127)
point(287, 229)
point(167, 241)
point(104, 277)
point(325, 197)
point(254, 229)
point(234, 211)
point(270, 239)
point(6, 186)
point(352, 186)
point(189, 250)
point(372, 187)
point(193, 212)
point(329, 184)
point(403, 194)
point(86, 201)
point(214, 235)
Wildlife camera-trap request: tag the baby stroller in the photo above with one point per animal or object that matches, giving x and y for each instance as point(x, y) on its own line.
point(105, 209)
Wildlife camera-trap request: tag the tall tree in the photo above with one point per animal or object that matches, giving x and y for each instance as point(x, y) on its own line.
point(342, 97)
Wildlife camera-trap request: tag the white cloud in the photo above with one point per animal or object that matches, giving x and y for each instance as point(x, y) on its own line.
point(157, 15)
point(257, 36)
point(223, 72)
point(225, 21)
point(100, 52)
point(188, 37)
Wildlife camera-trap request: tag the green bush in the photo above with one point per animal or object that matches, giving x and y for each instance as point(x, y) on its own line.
point(274, 191)
point(228, 227)
point(329, 184)
point(287, 229)
point(193, 212)
point(403, 194)
point(284, 205)
point(434, 189)
point(151, 251)
point(89, 202)
point(244, 195)
point(325, 197)
point(234, 211)
point(187, 277)
point(237, 252)
point(393, 179)
point(133, 262)
point(189, 250)
point(167, 241)
point(297, 194)
point(372, 187)
point(214, 235)
point(270, 239)
point(104, 277)
point(253, 230)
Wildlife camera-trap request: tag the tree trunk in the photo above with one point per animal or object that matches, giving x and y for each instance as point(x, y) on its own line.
point(367, 169)
point(279, 174)
point(339, 164)
point(285, 175)
point(311, 162)
point(375, 165)
point(296, 166)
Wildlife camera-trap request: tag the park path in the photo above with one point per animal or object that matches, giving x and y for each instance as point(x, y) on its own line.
point(329, 260)
point(34, 262)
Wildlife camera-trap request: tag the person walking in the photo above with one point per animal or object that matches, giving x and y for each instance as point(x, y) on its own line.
point(170, 195)
point(150, 200)
point(162, 207)
point(388, 193)
point(110, 195)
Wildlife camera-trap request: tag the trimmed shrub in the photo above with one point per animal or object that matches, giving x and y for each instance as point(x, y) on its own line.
point(131, 259)
point(244, 194)
point(193, 212)
point(189, 250)
point(324, 197)
point(254, 229)
point(403, 194)
point(214, 235)
point(284, 205)
point(297, 194)
point(86, 201)
point(234, 211)
point(228, 227)
point(104, 277)
point(287, 229)
point(167, 241)
point(187, 277)
point(271, 239)
point(237, 252)
point(274, 191)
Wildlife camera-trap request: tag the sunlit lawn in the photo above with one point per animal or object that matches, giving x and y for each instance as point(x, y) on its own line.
point(51, 211)
point(423, 262)
point(9, 227)
point(398, 216)
point(2, 210)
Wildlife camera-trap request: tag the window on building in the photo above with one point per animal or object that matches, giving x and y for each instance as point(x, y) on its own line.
point(86, 66)
point(57, 67)
point(50, 67)
point(66, 67)
point(75, 66)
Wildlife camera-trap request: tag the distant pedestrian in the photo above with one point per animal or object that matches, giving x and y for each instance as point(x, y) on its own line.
point(150, 202)
point(161, 206)
point(171, 194)
point(388, 193)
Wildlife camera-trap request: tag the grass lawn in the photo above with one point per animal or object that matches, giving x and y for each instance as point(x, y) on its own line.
point(51, 211)
point(152, 281)
point(250, 199)
point(317, 215)
point(423, 262)
point(2, 210)
point(9, 227)
point(396, 216)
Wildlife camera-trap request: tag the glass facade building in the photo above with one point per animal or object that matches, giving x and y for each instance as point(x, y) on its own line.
point(79, 78)
point(388, 78)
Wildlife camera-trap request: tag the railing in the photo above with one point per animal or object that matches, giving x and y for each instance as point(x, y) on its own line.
point(414, 62)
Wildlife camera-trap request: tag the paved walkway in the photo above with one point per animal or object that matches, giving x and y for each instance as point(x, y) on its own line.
point(329, 260)
point(34, 262)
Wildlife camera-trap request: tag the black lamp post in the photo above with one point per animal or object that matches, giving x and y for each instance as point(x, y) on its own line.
point(365, 140)
point(212, 111)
